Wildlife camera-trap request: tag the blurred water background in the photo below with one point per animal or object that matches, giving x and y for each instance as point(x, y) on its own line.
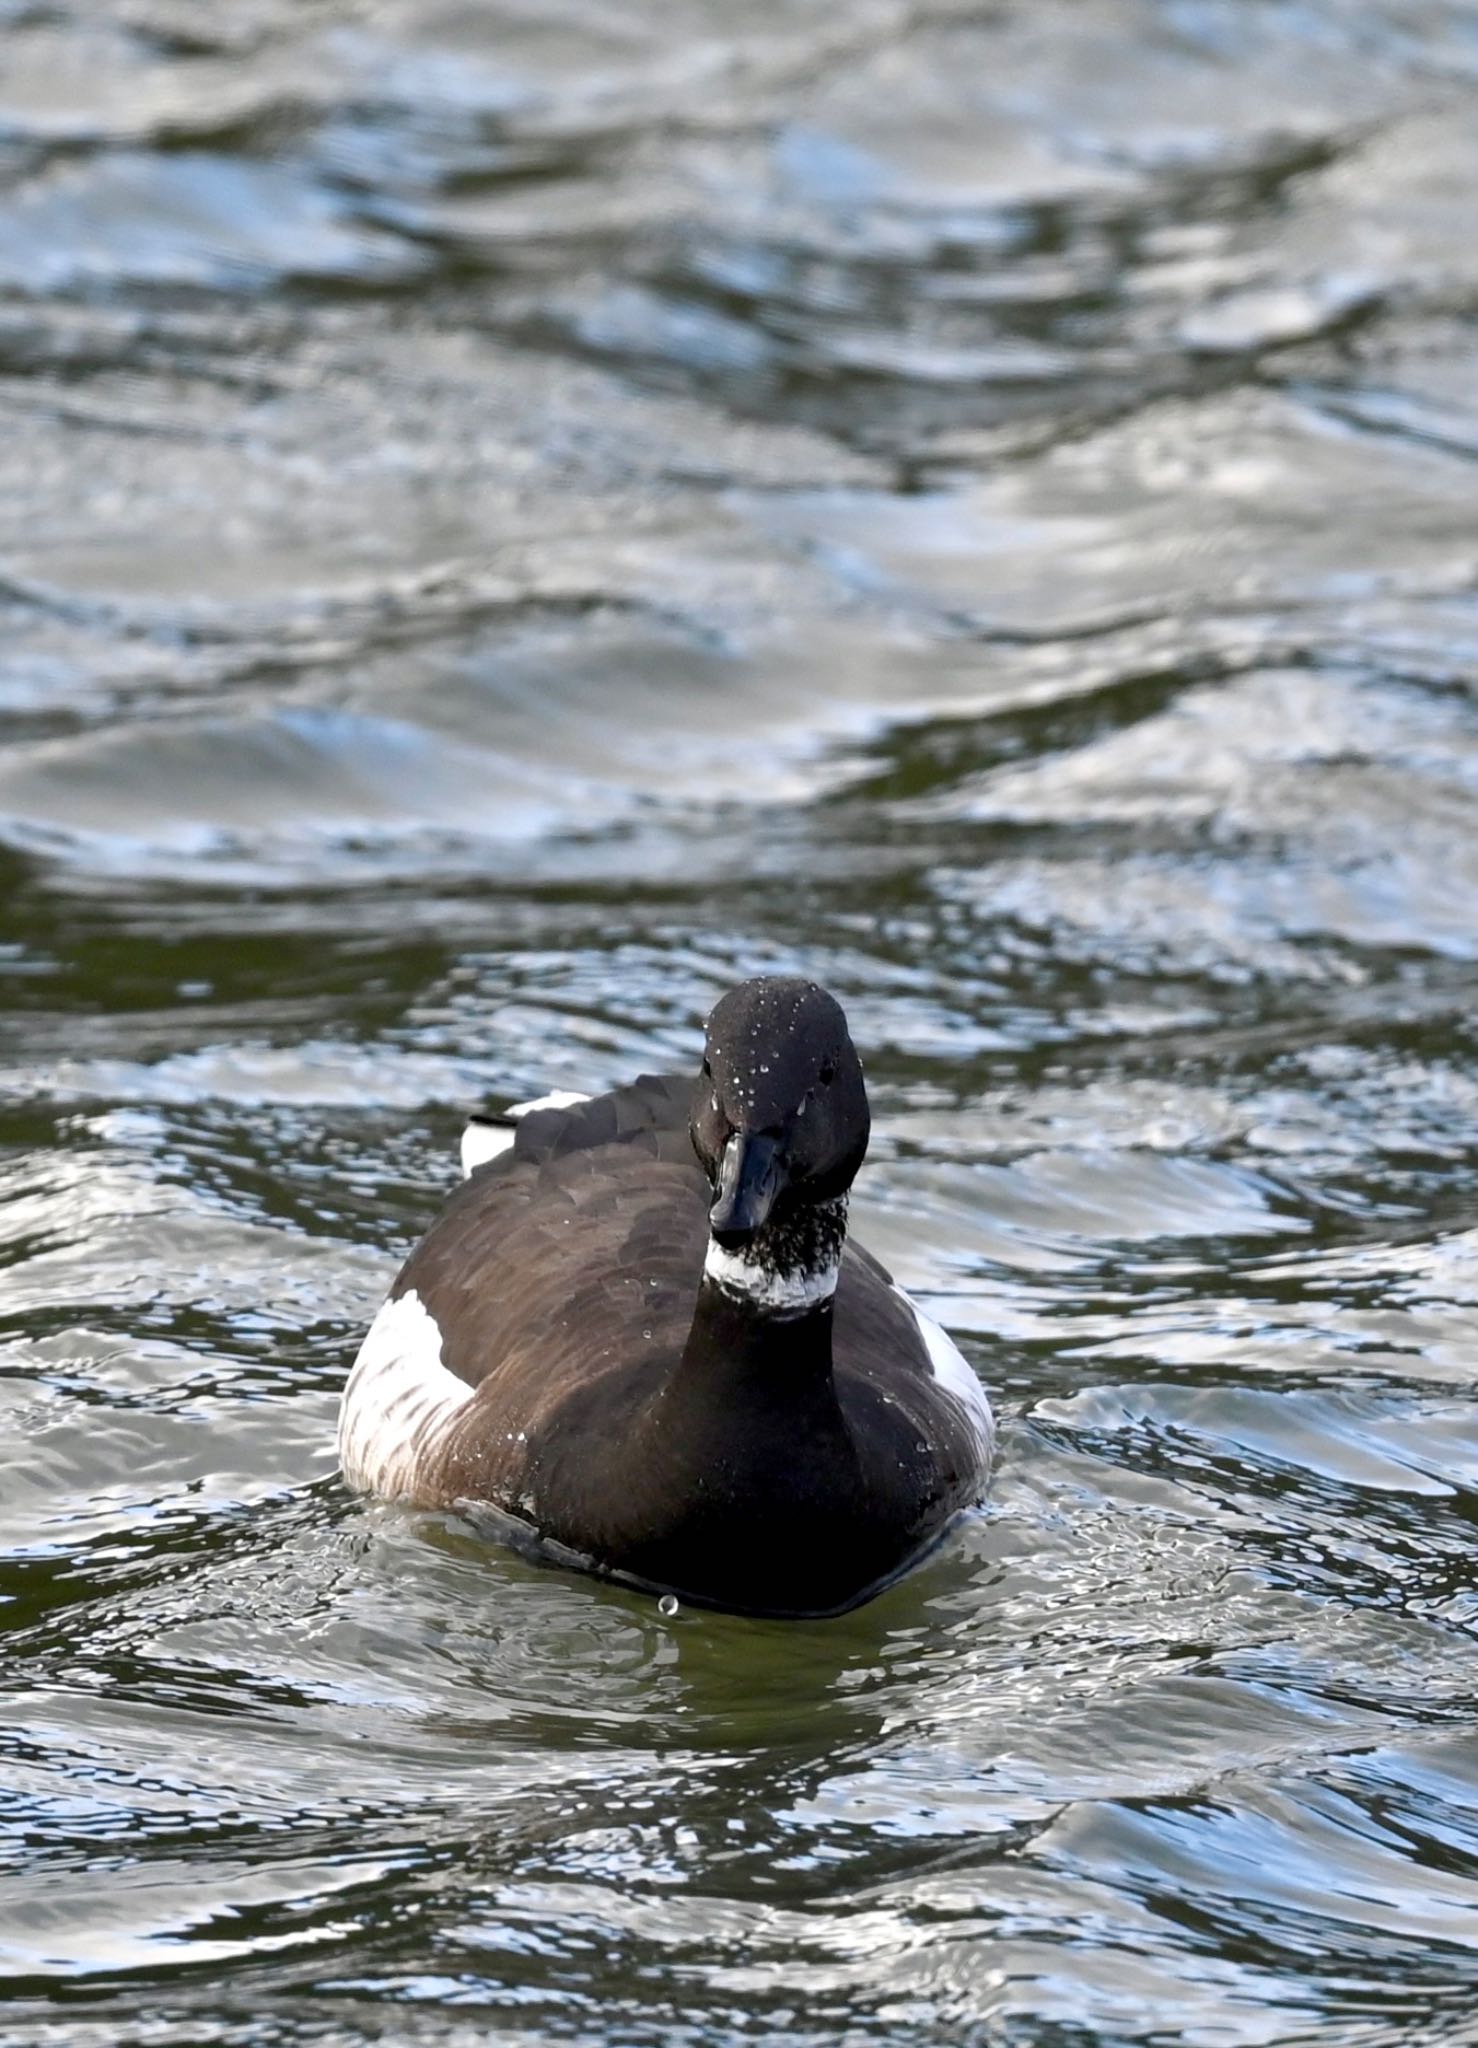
point(511, 516)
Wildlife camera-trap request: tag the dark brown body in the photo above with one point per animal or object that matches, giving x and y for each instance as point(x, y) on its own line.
point(645, 1420)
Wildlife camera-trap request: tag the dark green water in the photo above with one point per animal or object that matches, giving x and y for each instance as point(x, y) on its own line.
point(511, 517)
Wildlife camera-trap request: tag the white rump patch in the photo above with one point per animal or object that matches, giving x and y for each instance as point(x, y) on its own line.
point(484, 1141)
point(398, 1402)
point(952, 1370)
point(780, 1293)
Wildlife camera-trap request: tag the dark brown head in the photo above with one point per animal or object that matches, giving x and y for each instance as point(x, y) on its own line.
point(780, 1118)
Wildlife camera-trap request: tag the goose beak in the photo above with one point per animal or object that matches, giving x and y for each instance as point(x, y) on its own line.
point(750, 1176)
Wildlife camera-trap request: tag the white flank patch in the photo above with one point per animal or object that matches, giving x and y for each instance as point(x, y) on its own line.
point(780, 1293)
point(557, 1098)
point(398, 1401)
point(482, 1142)
point(952, 1371)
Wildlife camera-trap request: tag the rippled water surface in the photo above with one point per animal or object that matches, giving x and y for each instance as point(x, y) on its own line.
point(510, 517)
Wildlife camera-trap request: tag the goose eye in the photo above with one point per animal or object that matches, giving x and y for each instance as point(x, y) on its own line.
point(828, 1073)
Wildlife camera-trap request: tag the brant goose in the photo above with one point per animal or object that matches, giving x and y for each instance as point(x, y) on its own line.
point(638, 1340)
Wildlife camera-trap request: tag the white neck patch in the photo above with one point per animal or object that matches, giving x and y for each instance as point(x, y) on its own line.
point(778, 1293)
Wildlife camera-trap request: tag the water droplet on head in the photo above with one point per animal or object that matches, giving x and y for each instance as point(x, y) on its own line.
point(668, 1605)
